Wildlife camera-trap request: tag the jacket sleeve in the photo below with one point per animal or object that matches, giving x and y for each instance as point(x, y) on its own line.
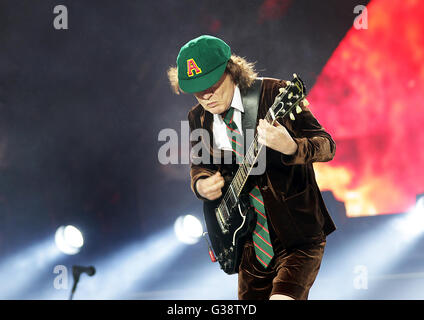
point(314, 143)
point(199, 169)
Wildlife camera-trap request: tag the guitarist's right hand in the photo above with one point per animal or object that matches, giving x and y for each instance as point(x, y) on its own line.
point(210, 188)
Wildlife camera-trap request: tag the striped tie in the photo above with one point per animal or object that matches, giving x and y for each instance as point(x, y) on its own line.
point(261, 238)
point(234, 135)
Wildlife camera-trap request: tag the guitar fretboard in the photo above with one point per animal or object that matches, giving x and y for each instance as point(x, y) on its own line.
point(233, 192)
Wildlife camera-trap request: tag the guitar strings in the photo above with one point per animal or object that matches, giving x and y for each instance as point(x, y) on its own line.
point(250, 153)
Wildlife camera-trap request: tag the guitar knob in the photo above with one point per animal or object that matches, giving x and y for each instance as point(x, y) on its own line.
point(298, 109)
point(292, 116)
point(305, 102)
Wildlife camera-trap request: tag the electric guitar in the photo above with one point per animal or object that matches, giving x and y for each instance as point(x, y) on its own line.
point(231, 219)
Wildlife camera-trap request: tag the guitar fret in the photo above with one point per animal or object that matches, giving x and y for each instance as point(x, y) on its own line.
point(234, 195)
point(239, 180)
point(250, 158)
point(240, 183)
point(244, 171)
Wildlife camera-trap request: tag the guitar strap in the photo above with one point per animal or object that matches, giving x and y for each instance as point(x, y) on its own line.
point(250, 99)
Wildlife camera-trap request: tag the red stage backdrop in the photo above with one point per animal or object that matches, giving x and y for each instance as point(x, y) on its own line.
point(370, 97)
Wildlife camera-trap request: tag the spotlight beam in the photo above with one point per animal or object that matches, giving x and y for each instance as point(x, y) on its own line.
point(21, 270)
point(132, 267)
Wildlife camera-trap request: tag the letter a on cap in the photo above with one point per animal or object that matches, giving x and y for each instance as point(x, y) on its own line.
point(191, 65)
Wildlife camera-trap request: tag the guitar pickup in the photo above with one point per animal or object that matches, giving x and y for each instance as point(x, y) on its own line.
point(221, 221)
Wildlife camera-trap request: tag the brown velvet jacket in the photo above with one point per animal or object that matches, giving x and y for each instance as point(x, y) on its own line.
point(292, 199)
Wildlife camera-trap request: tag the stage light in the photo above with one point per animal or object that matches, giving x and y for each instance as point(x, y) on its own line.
point(188, 229)
point(69, 239)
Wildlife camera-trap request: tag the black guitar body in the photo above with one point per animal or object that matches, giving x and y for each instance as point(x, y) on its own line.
point(228, 241)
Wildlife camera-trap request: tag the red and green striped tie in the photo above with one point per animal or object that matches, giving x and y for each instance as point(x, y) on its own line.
point(261, 238)
point(234, 135)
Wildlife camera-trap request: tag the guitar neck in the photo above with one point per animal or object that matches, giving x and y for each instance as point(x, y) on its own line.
point(245, 167)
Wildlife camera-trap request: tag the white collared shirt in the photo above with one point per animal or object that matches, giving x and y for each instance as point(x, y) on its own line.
point(219, 128)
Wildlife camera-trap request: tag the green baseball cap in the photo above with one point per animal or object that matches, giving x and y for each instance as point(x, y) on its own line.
point(201, 63)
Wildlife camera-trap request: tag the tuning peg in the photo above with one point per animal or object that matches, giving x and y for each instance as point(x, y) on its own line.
point(282, 90)
point(305, 102)
point(294, 75)
point(298, 109)
point(292, 116)
point(290, 95)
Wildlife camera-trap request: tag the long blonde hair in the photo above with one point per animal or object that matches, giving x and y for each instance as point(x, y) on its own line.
point(241, 71)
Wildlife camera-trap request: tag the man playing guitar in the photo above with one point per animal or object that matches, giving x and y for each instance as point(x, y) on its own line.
point(281, 257)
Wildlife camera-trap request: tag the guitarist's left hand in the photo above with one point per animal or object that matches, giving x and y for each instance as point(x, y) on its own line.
point(276, 137)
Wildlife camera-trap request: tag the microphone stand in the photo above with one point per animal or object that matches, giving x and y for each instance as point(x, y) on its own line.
point(76, 273)
point(74, 287)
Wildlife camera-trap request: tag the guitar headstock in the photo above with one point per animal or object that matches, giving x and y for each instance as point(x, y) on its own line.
point(287, 101)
